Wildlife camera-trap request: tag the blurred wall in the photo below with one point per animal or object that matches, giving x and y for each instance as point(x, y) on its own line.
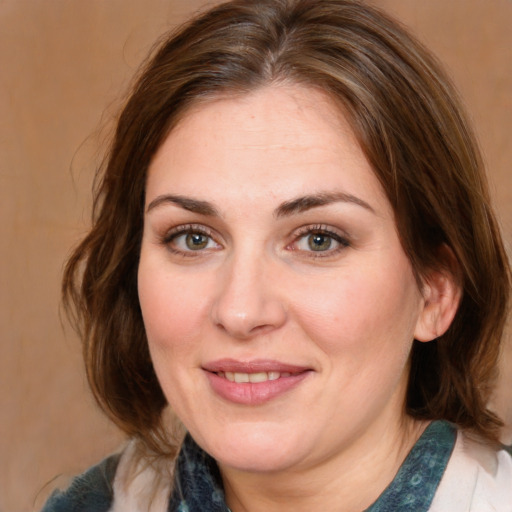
point(63, 66)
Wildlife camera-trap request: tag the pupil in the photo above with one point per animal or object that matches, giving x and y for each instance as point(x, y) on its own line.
point(319, 242)
point(196, 241)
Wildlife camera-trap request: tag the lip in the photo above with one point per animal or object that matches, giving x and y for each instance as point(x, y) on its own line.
point(253, 393)
point(255, 365)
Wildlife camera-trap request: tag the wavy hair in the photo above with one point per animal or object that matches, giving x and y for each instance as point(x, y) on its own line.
point(409, 123)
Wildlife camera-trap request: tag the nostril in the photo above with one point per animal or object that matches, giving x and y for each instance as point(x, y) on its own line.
point(247, 325)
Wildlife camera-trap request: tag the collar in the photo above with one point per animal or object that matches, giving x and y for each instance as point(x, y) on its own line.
point(415, 484)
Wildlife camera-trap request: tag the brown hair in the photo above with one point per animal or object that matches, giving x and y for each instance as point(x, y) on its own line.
point(411, 127)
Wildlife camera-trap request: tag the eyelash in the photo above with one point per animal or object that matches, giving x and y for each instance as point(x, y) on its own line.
point(304, 232)
point(322, 230)
point(187, 229)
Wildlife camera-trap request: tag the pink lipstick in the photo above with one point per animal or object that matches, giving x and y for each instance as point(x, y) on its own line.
point(253, 382)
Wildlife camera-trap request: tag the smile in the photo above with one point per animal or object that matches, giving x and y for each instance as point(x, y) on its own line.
point(255, 382)
point(252, 377)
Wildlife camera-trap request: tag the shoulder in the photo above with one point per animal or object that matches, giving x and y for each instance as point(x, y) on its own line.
point(142, 484)
point(477, 477)
point(92, 491)
point(125, 481)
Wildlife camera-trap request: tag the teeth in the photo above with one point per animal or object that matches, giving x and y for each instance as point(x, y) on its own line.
point(258, 377)
point(252, 377)
point(241, 377)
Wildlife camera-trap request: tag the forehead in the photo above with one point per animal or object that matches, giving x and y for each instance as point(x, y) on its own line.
point(287, 140)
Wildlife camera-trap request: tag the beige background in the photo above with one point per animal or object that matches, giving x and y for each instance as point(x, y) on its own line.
point(63, 65)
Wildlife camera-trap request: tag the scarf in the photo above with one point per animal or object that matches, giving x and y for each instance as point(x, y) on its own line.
point(198, 484)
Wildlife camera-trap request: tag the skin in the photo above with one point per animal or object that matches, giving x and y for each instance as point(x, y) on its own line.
point(256, 287)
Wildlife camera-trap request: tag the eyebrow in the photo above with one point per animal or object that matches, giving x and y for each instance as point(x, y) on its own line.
point(187, 203)
point(294, 206)
point(304, 203)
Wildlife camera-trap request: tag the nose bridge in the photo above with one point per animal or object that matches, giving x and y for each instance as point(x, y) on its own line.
point(246, 301)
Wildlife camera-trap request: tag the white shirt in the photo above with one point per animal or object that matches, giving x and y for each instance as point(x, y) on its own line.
point(477, 479)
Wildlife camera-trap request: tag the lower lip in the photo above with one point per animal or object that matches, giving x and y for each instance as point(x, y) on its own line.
point(254, 393)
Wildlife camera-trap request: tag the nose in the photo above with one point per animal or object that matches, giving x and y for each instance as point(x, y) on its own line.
point(247, 302)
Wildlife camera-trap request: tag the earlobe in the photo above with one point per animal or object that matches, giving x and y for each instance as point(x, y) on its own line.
point(441, 298)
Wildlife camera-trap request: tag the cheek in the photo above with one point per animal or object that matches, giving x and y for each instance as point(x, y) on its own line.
point(173, 307)
point(173, 310)
point(363, 312)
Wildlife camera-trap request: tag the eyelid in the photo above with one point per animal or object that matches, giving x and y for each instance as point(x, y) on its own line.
point(187, 228)
point(339, 236)
point(184, 229)
point(321, 228)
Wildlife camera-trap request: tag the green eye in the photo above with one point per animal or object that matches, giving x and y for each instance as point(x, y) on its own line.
point(189, 239)
point(196, 241)
point(319, 242)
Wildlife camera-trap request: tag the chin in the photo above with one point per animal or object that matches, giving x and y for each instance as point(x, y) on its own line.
point(256, 448)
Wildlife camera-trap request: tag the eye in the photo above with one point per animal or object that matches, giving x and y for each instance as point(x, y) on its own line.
point(187, 239)
point(193, 241)
point(319, 240)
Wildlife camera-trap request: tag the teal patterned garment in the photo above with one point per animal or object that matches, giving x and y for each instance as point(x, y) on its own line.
point(198, 484)
point(414, 486)
point(90, 492)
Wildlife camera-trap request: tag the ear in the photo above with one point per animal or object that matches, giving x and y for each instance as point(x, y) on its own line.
point(441, 297)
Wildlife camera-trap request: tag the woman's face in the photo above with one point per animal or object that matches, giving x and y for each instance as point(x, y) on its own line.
point(279, 306)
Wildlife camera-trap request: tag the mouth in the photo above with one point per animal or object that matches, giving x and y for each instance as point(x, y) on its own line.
point(255, 382)
point(241, 378)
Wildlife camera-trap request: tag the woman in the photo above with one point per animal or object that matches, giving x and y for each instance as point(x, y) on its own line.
point(293, 252)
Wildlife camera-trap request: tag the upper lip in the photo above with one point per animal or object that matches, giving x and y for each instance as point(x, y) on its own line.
point(253, 366)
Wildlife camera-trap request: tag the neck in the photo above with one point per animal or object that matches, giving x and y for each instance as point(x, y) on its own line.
point(349, 481)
